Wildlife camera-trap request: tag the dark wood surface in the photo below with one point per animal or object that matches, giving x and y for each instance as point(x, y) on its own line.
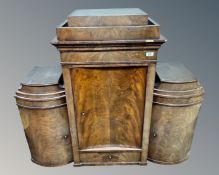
point(97, 44)
point(43, 113)
point(172, 133)
point(107, 17)
point(47, 133)
point(110, 158)
point(109, 105)
point(71, 114)
point(107, 101)
point(66, 33)
point(148, 110)
point(175, 110)
point(87, 57)
point(109, 78)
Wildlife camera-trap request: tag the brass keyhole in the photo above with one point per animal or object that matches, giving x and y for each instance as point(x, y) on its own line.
point(154, 133)
point(65, 137)
point(110, 157)
point(83, 114)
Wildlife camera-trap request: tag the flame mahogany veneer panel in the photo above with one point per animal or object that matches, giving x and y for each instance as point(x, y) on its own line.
point(109, 105)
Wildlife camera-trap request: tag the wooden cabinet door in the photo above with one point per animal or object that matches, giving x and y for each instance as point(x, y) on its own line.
point(109, 106)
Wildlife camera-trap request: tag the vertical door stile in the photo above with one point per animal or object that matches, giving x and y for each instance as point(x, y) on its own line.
point(147, 111)
point(71, 114)
point(109, 84)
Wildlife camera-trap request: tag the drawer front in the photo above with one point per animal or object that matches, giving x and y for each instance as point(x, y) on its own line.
point(110, 157)
point(106, 56)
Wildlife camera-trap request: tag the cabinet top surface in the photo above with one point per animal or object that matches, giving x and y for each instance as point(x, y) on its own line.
point(108, 12)
point(43, 75)
point(174, 72)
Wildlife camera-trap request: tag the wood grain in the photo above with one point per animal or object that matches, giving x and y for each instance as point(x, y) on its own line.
point(47, 133)
point(66, 33)
point(39, 89)
point(104, 56)
point(108, 45)
point(109, 105)
point(97, 44)
point(174, 129)
point(179, 86)
point(175, 112)
point(45, 121)
point(147, 111)
point(108, 87)
point(107, 21)
point(107, 33)
point(71, 114)
point(107, 17)
point(107, 70)
point(112, 157)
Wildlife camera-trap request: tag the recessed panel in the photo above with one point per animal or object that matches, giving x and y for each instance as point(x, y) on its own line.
point(109, 105)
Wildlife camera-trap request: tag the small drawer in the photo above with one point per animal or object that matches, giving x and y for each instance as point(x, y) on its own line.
point(110, 157)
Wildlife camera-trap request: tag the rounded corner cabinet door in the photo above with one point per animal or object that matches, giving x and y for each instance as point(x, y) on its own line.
point(176, 104)
point(43, 111)
point(109, 108)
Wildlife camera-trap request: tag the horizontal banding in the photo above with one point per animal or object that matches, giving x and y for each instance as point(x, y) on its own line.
point(47, 94)
point(189, 90)
point(178, 105)
point(38, 100)
point(37, 107)
point(178, 96)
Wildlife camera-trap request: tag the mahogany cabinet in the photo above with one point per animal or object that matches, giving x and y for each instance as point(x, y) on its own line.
point(41, 101)
point(109, 73)
point(118, 111)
